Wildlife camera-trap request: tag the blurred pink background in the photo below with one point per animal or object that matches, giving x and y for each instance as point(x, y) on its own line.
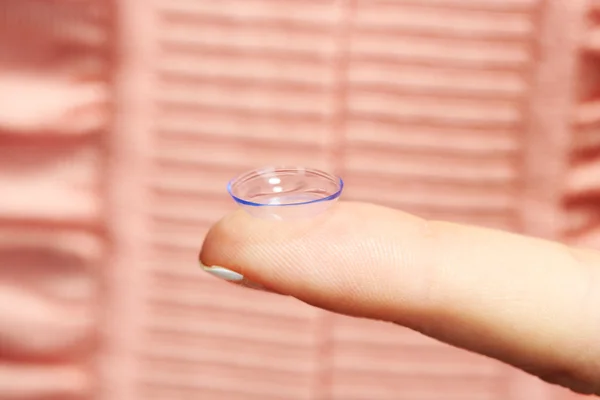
point(122, 121)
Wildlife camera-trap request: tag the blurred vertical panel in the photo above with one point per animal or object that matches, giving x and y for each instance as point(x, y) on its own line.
point(581, 193)
point(582, 197)
point(383, 361)
point(436, 115)
point(54, 102)
point(238, 84)
point(436, 101)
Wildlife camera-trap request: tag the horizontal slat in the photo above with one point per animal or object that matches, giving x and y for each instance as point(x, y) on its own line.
point(224, 378)
point(45, 380)
point(204, 292)
point(434, 363)
point(439, 80)
point(181, 235)
point(49, 313)
point(48, 106)
point(266, 53)
point(192, 180)
point(246, 67)
point(65, 265)
point(227, 125)
point(592, 41)
point(34, 11)
point(261, 357)
point(492, 5)
point(174, 309)
point(588, 113)
point(443, 21)
point(241, 84)
point(252, 112)
point(151, 391)
point(582, 215)
point(425, 108)
point(178, 217)
point(313, 12)
point(441, 140)
point(237, 36)
point(583, 178)
point(317, 102)
point(227, 325)
point(169, 340)
point(173, 265)
point(190, 110)
point(497, 218)
point(471, 53)
point(587, 138)
point(358, 386)
point(232, 155)
point(49, 184)
point(74, 243)
point(416, 193)
point(247, 22)
point(430, 167)
point(76, 24)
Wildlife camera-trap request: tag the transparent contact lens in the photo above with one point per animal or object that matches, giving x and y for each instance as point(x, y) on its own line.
point(279, 193)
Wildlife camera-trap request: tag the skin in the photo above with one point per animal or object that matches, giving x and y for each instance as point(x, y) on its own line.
point(527, 302)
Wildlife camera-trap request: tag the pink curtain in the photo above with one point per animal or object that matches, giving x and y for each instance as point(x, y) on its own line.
point(121, 122)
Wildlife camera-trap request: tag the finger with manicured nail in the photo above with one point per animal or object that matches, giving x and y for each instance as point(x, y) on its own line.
point(233, 277)
point(532, 303)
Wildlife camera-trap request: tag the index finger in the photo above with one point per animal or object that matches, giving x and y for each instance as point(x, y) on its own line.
point(531, 303)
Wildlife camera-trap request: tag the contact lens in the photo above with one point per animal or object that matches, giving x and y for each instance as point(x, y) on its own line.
point(279, 193)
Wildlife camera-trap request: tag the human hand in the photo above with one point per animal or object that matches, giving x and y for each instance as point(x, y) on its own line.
point(531, 303)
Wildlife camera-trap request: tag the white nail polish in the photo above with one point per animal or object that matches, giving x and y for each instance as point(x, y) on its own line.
point(224, 273)
point(233, 277)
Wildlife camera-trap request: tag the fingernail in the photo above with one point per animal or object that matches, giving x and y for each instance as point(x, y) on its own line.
point(224, 273)
point(233, 277)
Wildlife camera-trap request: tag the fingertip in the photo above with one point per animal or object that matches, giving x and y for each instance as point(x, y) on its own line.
point(223, 237)
point(333, 261)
